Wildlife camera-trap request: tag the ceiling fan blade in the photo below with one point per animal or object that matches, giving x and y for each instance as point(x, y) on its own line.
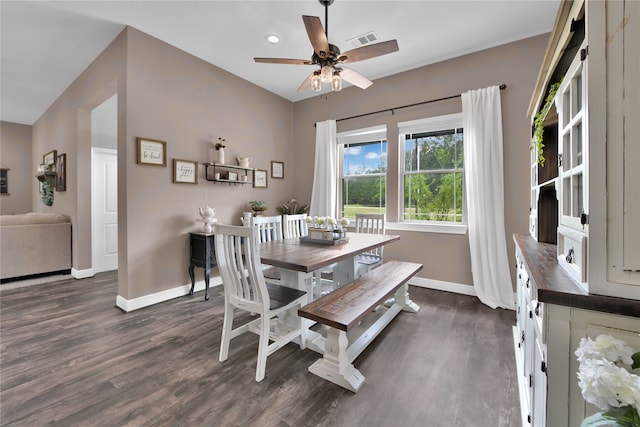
point(306, 85)
point(370, 51)
point(355, 79)
point(283, 61)
point(317, 36)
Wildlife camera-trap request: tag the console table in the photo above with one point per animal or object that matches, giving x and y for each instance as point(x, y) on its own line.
point(203, 255)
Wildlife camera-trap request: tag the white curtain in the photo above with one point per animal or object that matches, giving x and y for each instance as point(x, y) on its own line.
point(323, 196)
point(484, 181)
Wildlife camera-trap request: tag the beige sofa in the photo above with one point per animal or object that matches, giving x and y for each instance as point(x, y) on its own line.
point(34, 243)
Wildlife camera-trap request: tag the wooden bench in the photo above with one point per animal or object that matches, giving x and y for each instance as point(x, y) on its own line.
point(345, 308)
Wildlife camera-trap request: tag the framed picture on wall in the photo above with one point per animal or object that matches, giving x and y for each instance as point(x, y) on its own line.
point(61, 172)
point(185, 172)
point(4, 183)
point(277, 169)
point(49, 158)
point(260, 178)
point(152, 152)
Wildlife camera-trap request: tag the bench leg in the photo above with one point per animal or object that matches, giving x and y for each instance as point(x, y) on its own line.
point(403, 300)
point(335, 365)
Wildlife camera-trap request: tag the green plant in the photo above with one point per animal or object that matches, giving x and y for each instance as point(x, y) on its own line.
point(292, 207)
point(257, 205)
point(46, 193)
point(539, 123)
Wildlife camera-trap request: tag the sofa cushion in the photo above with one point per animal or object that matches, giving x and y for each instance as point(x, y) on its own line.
point(32, 218)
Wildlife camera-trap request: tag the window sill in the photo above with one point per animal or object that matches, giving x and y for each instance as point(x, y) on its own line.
point(427, 228)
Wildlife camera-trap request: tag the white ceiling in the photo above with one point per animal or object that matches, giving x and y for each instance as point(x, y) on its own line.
point(46, 45)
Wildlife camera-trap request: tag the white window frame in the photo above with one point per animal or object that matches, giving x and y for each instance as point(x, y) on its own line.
point(363, 135)
point(431, 124)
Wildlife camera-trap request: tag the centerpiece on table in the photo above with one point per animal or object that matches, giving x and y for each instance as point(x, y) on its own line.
point(609, 377)
point(327, 228)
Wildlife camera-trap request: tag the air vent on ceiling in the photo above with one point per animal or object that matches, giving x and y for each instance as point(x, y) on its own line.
point(363, 39)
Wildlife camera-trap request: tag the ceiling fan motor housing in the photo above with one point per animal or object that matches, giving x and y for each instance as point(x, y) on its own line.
point(330, 59)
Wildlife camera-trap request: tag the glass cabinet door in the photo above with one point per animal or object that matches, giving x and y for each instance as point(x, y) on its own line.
point(571, 104)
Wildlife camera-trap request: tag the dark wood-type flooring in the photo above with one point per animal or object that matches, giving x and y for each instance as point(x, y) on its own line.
point(69, 357)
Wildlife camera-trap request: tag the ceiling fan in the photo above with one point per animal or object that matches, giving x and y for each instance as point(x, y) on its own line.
point(329, 59)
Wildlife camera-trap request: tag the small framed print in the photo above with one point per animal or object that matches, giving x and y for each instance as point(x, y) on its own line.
point(50, 158)
point(277, 169)
point(61, 172)
point(185, 172)
point(232, 176)
point(260, 178)
point(152, 152)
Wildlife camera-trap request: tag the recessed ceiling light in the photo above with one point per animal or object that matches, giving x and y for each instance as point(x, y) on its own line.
point(273, 39)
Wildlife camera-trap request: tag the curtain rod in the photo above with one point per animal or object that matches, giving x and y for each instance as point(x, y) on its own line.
point(502, 87)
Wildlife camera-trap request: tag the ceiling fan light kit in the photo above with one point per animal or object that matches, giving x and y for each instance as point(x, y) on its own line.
point(327, 56)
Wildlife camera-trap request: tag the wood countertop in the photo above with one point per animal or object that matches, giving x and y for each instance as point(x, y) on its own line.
point(554, 286)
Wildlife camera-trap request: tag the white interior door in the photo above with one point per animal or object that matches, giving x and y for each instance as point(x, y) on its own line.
point(105, 209)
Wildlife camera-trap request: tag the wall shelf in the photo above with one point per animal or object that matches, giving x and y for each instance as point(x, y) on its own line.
point(46, 176)
point(230, 174)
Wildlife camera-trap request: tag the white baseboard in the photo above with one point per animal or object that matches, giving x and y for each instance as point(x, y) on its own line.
point(440, 285)
point(158, 297)
point(456, 288)
point(82, 274)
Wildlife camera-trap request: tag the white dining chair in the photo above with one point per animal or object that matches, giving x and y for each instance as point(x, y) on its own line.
point(269, 228)
point(295, 226)
point(245, 289)
point(372, 224)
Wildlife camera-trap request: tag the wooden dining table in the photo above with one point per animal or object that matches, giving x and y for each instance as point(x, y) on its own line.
point(298, 260)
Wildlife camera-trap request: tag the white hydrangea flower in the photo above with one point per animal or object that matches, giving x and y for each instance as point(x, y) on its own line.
point(331, 220)
point(604, 375)
point(607, 347)
point(344, 222)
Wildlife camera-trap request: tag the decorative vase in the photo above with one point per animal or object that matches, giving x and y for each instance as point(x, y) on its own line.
point(221, 155)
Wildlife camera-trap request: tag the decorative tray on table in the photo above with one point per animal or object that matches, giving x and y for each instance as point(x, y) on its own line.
point(325, 242)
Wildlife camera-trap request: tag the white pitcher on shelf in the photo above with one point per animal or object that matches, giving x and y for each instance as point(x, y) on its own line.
point(244, 162)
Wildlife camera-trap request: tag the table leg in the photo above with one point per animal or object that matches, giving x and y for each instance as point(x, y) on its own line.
point(334, 365)
point(344, 272)
point(402, 299)
point(193, 279)
point(207, 276)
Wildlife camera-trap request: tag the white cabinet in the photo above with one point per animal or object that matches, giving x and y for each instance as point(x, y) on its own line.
point(530, 348)
point(583, 272)
point(553, 314)
point(594, 53)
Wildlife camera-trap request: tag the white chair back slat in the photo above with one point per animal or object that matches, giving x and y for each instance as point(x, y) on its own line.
point(371, 224)
point(269, 227)
point(295, 226)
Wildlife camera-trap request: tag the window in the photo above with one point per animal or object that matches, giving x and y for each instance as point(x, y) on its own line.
point(363, 169)
point(432, 170)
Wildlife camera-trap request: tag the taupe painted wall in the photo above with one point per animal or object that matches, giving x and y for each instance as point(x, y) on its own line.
point(15, 154)
point(445, 256)
point(165, 94)
point(175, 97)
point(66, 127)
